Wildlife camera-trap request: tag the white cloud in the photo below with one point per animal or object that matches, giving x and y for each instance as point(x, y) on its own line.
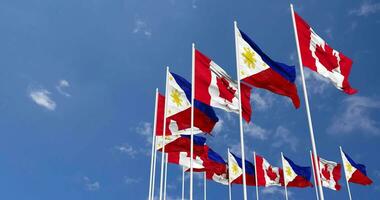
point(127, 149)
point(315, 83)
point(218, 127)
point(62, 84)
point(41, 97)
point(283, 137)
point(91, 185)
point(356, 116)
point(261, 100)
point(275, 191)
point(145, 129)
point(366, 8)
point(129, 180)
point(256, 131)
point(142, 27)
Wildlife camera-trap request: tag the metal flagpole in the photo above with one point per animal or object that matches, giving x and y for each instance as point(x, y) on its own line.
point(257, 183)
point(183, 183)
point(240, 114)
point(163, 136)
point(204, 186)
point(307, 106)
point(153, 148)
point(315, 180)
point(192, 120)
point(229, 183)
point(154, 168)
point(285, 183)
point(344, 167)
point(166, 175)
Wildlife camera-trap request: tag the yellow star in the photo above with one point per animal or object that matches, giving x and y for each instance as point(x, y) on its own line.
point(288, 171)
point(249, 58)
point(235, 169)
point(176, 98)
point(349, 167)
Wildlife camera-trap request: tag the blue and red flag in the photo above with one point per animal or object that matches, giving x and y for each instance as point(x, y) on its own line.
point(178, 109)
point(235, 170)
point(355, 172)
point(295, 175)
point(259, 70)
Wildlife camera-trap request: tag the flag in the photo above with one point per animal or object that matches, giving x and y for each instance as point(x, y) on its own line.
point(258, 70)
point(295, 175)
point(184, 158)
point(320, 57)
point(160, 115)
point(267, 175)
point(329, 173)
point(214, 87)
point(235, 170)
point(355, 172)
point(178, 110)
point(180, 143)
point(216, 168)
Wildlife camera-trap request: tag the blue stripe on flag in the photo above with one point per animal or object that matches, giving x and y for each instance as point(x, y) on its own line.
point(249, 167)
point(358, 166)
point(215, 157)
point(198, 140)
point(300, 171)
point(286, 71)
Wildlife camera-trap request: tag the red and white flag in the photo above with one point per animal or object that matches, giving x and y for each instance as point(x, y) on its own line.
point(330, 173)
point(267, 175)
point(214, 87)
point(320, 57)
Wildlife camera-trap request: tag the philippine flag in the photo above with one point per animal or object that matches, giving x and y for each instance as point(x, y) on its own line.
point(295, 175)
point(180, 143)
point(258, 70)
point(235, 170)
point(178, 109)
point(355, 172)
point(267, 175)
point(214, 87)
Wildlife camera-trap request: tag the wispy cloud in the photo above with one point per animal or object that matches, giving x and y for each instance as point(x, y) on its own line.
point(316, 83)
point(275, 191)
point(366, 8)
point(283, 137)
point(256, 131)
point(194, 4)
point(218, 127)
point(41, 97)
point(91, 185)
point(130, 180)
point(127, 149)
point(142, 28)
point(356, 115)
point(262, 100)
point(146, 130)
point(62, 85)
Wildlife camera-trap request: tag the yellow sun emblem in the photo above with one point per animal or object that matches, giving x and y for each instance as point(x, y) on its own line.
point(235, 169)
point(349, 167)
point(249, 58)
point(176, 98)
point(288, 171)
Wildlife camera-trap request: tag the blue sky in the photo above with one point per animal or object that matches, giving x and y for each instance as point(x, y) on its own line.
point(78, 78)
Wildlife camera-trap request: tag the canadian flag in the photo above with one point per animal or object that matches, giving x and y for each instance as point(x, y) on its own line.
point(330, 173)
point(320, 57)
point(267, 175)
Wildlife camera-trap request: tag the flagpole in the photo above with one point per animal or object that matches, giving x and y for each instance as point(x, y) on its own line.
point(183, 183)
point(153, 148)
point(163, 136)
point(204, 186)
point(166, 174)
point(344, 167)
point(307, 106)
point(285, 183)
point(315, 180)
point(240, 114)
point(257, 183)
point(154, 168)
point(192, 120)
point(229, 183)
